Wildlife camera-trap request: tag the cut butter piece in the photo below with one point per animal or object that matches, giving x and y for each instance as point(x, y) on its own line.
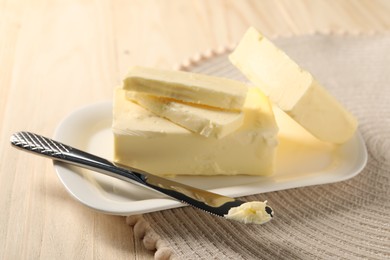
point(293, 89)
point(206, 121)
point(188, 87)
point(151, 143)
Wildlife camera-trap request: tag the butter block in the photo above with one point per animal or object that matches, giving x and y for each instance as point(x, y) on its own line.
point(151, 143)
point(292, 89)
point(188, 87)
point(206, 121)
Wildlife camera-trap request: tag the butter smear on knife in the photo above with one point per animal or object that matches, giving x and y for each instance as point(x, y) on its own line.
point(255, 212)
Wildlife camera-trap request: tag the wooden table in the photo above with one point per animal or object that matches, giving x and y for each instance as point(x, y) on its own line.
point(59, 55)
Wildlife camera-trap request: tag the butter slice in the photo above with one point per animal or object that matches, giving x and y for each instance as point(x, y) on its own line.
point(188, 87)
point(293, 89)
point(151, 143)
point(206, 121)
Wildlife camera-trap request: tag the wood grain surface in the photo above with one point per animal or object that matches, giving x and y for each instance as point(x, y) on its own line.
point(57, 55)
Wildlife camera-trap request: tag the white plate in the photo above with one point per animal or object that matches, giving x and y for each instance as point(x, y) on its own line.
point(301, 161)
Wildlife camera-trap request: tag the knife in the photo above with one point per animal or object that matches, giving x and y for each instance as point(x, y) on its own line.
point(210, 202)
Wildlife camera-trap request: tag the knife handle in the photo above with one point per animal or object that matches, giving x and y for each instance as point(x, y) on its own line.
point(60, 152)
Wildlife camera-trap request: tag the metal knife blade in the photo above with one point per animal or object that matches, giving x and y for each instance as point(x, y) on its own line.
point(210, 202)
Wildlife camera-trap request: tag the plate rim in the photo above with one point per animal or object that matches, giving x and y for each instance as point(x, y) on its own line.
point(143, 206)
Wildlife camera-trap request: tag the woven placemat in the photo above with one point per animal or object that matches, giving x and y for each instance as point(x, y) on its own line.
point(349, 219)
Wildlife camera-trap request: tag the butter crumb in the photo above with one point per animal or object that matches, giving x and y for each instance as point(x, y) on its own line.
point(255, 212)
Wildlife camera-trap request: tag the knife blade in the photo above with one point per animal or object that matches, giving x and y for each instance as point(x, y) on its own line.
point(210, 202)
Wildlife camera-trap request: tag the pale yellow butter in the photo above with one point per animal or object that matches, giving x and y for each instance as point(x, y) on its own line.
point(188, 87)
point(151, 143)
point(251, 212)
point(206, 121)
point(293, 89)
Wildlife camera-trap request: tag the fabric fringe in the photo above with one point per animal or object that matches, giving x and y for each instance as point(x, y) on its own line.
point(151, 240)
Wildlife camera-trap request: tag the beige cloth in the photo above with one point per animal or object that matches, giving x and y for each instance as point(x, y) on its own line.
point(349, 219)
